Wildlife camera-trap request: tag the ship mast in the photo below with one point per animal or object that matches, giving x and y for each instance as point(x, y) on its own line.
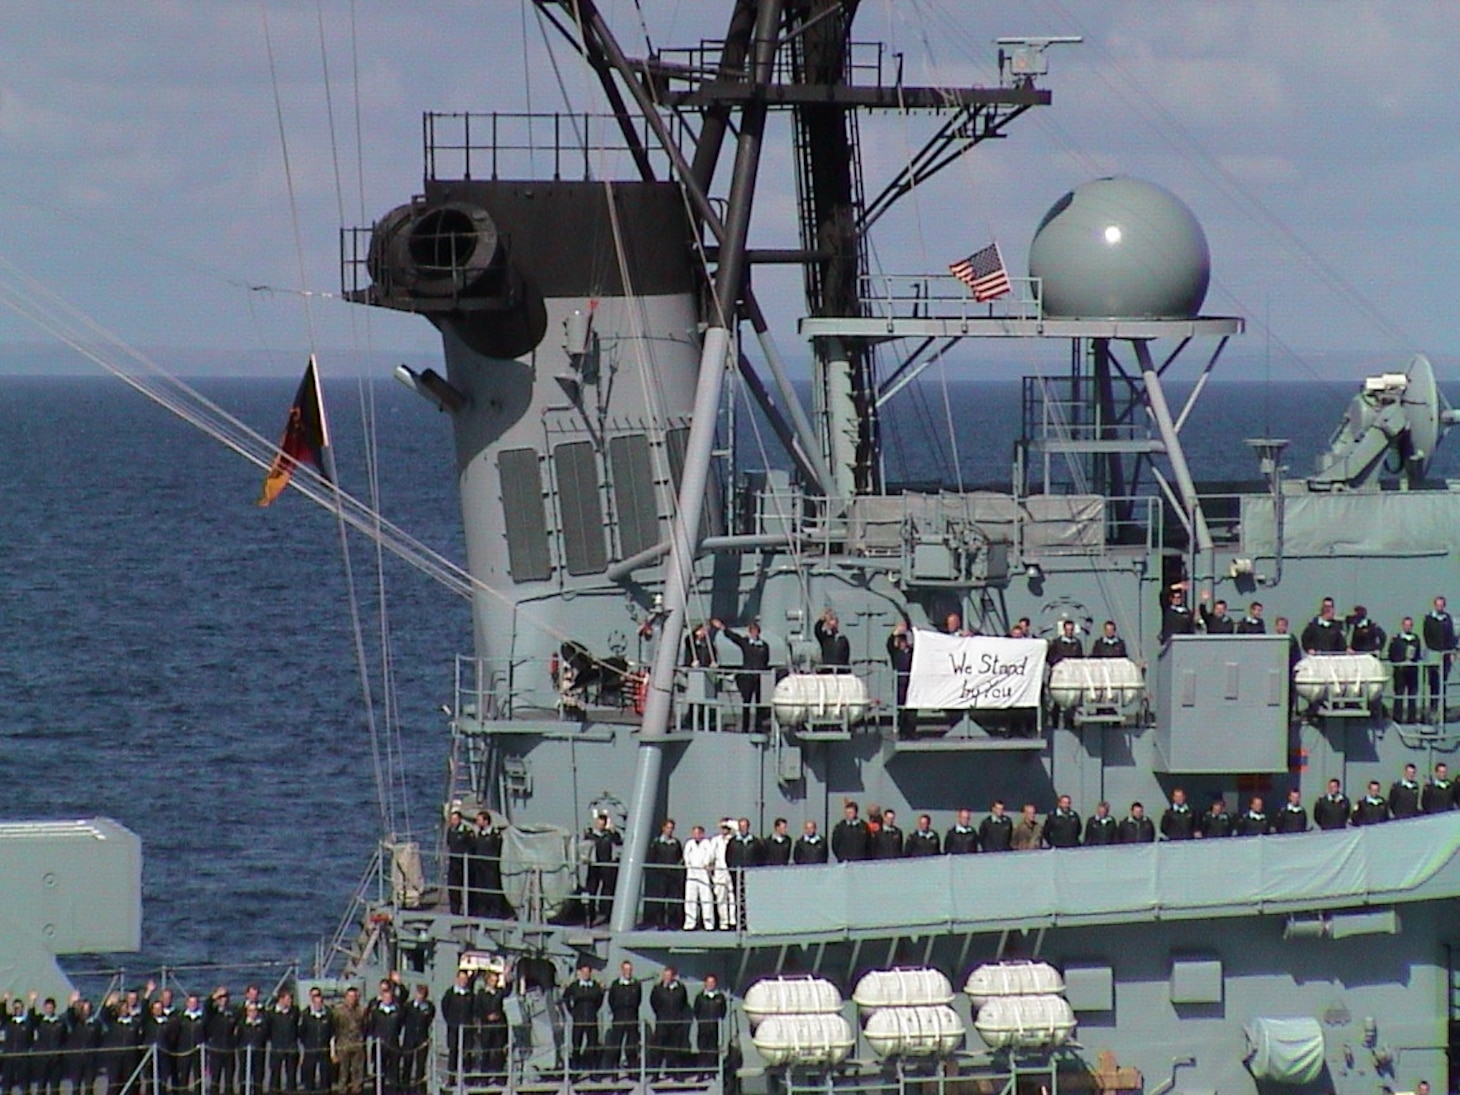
point(797, 55)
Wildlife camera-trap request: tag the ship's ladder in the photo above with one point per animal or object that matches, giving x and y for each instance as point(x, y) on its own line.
point(353, 939)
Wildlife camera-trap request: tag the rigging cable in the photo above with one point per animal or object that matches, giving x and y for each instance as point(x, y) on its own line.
point(393, 765)
point(101, 346)
point(356, 625)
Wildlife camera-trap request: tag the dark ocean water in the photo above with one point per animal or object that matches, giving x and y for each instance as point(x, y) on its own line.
point(183, 661)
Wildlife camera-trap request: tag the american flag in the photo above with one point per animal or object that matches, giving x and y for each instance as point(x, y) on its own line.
point(983, 272)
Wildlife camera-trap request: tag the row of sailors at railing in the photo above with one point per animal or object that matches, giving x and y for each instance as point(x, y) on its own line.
point(703, 876)
point(208, 1045)
point(1434, 646)
point(698, 883)
point(272, 1047)
point(1325, 633)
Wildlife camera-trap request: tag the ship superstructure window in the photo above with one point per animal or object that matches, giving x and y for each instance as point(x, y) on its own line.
point(581, 508)
point(633, 493)
point(522, 514)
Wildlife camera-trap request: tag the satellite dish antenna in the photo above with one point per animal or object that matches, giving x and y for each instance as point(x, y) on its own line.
point(1428, 414)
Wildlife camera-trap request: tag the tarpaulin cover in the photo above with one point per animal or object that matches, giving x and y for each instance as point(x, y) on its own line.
point(537, 862)
point(1418, 858)
point(1285, 1051)
point(1341, 523)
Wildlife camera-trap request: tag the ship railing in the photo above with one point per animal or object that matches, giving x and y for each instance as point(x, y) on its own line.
point(200, 977)
point(135, 1069)
point(530, 145)
point(531, 1047)
point(709, 700)
point(1002, 1072)
point(943, 297)
point(501, 689)
point(869, 64)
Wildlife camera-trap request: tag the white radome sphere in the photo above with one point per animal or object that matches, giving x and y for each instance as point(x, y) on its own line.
point(1121, 248)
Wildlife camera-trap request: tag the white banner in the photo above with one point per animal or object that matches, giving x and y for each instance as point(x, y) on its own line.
point(949, 671)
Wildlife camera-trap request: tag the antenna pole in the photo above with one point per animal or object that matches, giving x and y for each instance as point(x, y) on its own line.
point(685, 529)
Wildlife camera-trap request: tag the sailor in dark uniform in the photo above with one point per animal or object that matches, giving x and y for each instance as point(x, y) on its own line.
point(996, 832)
point(1404, 794)
point(810, 846)
point(710, 1009)
point(742, 851)
point(416, 1040)
point(188, 1038)
point(1215, 621)
point(1252, 623)
point(1292, 818)
point(699, 650)
point(900, 654)
point(489, 1017)
point(123, 1040)
point(1439, 793)
point(283, 1020)
point(777, 847)
point(157, 1031)
point(458, 847)
point(48, 1030)
point(887, 840)
point(1101, 829)
point(457, 1007)
point(1324, 634)
point(15, 1050)
point(385, 1023)
point(253, 1050)
point(1065, 645)
point(1136, 827)
point(669, 1001)
point(664, 879)
point(1372, 809)
point(84, 1032)
point(316, 1026)
point(850, 840)
point(1253, 821)
point(1438, 630)
point(1109, 645)
point(755, 659)
point(1364, 635)
point(484, 870)
point(1405, 654)
point(1062, 825)
point(1178, 822)
point(923, 840)
point(1216, 822)
point(1176, 617)
point(625, 996)
point(962, 839)
point(582, 1000)
point(836, 650)
point(603, 842)
point(1332, 810)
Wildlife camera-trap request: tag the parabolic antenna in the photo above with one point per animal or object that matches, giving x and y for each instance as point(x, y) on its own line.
point(1428, 414)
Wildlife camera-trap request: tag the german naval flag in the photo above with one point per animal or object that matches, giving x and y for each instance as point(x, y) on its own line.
point(306, 437)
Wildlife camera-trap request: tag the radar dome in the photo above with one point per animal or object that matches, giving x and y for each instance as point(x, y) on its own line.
point(1121, 248)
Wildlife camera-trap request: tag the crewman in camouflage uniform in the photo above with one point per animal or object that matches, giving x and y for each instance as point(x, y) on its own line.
point(349, 1051)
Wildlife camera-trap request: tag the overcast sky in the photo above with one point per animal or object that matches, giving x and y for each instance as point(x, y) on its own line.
point(143, 178)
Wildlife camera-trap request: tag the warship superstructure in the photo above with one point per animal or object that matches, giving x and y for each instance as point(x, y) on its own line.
point(600, 322)
point(591, 325)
